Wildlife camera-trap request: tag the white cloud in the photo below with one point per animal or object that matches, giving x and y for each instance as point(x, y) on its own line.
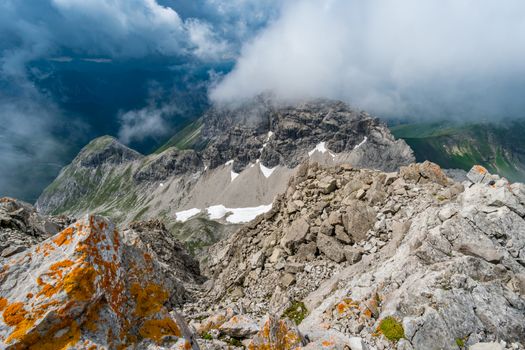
point(391, 57)
point(207, 44)
point(148, 122)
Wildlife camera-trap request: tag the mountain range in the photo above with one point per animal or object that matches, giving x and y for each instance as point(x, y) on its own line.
point(271, 225)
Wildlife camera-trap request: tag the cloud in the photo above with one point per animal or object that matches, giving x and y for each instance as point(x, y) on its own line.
point(433, 58)
point(148, 122)
point(31, 153)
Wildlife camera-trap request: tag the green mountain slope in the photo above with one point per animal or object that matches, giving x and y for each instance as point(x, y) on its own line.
point(500, 147)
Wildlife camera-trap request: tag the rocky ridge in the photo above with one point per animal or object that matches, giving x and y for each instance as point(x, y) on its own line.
point(346, 259)
point(362, 259)
point(240, 157)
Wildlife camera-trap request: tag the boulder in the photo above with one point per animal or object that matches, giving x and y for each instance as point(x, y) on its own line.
point(327, 185)
point(331, 247)
point(277, 333)
point(353, 254)
point(295, 234)
point(358, 219)
point(83, 288)
point(239, 326)
point(424, 172)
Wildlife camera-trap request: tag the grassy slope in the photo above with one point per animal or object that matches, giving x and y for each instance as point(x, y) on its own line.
point(185, 138)
point(499, 147)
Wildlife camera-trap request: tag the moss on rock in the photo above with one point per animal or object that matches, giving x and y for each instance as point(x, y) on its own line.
point(392, 329)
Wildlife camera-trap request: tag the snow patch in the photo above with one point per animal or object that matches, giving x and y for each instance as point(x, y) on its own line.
point(233, 174)
point(238, 215)
point(184, 215)
point(361, 143)
point(161, 184)
point(230, 162)
point(321, 147)
point(267, 172)
point(270, 134)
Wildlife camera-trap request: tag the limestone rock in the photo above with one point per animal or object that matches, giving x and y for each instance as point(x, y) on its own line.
point(86, 287)
point(295, 234)
point(239, 326)
point(327, 185)
point(277, 334)
point(330, 247)
point(359, 218)
point(486, 252)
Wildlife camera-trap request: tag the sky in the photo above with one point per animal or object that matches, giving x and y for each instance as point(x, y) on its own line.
point(71, 70)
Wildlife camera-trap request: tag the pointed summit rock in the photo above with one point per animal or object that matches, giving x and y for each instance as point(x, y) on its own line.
point(87, 287)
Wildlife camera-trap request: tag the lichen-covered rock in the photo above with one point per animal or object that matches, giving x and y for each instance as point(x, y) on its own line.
point(277, 334)
point(86, 287)
point(239, 326)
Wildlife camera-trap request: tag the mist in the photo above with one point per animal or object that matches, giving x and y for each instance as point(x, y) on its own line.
point(408, 58)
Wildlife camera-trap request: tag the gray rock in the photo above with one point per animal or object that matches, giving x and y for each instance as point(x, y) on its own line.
point(486, 346)
point(327, 185)
point(295, 234)
point(12, 250)
point(353, 254)
point(306, 252)
point(239, 326)
point(341, 235)
point(287, 279)
point(331, 247)
point(359, 218)
point(335, 218)
point(485, 252)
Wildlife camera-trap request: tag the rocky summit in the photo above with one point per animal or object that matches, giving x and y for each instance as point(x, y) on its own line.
point(363, 259)
point(346, 258)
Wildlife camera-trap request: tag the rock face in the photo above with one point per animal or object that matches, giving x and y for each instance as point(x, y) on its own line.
point(241, 157)
point(431, 263)
point(90, 287)
point(21, 226)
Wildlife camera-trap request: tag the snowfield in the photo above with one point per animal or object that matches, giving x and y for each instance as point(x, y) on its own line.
point(238, 215)
point(183, 216)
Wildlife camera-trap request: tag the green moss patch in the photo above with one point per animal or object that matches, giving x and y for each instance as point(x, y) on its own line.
point(392, 329)
point(296, 312)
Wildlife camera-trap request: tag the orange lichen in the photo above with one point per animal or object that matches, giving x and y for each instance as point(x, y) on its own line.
point(92, 317)
point(3, 303)
point(79, 284)
point(59, 339)
point(149, 299)
point(276, 334)
point(327, 343)
point(14, 314)
point(64, 237)
point(157, 329)
point(56, 268)
point(479, 169)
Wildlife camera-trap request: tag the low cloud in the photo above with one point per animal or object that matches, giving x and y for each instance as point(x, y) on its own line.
point(148, 122)
point(437, 58)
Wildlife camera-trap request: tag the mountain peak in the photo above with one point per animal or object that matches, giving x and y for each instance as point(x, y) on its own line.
point(106, 149)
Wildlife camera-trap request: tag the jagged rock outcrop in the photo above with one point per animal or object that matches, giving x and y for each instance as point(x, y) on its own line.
point(21, 226)
point(242, 157)
point(241, 133)
point(91, 287)
point(439, 264)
